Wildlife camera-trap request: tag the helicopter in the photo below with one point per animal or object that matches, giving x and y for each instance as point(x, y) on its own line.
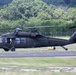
point(20, 39)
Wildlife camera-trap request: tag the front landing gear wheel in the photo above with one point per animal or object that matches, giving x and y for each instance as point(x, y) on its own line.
point(5, 49)
point(54, 48)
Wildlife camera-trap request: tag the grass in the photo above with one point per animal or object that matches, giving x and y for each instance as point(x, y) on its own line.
point(36, 73)
point(41, 64)
point(62, 37)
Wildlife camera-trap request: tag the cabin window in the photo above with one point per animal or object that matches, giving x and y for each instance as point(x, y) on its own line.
point(5, 40)
point(17, 40)
point(20, 40)
point(23, 40)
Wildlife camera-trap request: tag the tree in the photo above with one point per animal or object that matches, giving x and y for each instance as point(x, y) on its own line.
point(57, 13)
point(4, 2)
point(67, 1)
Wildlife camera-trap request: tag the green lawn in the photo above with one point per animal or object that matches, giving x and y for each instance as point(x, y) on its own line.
point(36, 73)
point(41, 64)
point(38, 62)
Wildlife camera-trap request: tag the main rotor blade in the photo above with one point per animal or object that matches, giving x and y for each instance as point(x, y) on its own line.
point(72, 27)
point(38, 27)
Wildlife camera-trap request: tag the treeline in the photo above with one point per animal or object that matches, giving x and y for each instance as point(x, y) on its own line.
point(38, 13)
point(3, 2)
point(59, 2)
point(56, 2)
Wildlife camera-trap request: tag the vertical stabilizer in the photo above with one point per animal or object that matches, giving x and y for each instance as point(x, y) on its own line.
point(73, 38)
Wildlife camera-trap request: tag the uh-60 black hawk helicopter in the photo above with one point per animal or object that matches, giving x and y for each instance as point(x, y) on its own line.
point(19, 39)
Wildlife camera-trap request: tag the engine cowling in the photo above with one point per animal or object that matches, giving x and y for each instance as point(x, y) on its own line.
point(26, 34)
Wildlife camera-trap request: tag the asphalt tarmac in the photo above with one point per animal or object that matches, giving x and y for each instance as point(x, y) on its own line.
point(38, 54)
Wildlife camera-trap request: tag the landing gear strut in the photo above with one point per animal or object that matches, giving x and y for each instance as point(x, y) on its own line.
point(12, 49)
point(8, 48)
point(54, 48)
point(64, 48)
